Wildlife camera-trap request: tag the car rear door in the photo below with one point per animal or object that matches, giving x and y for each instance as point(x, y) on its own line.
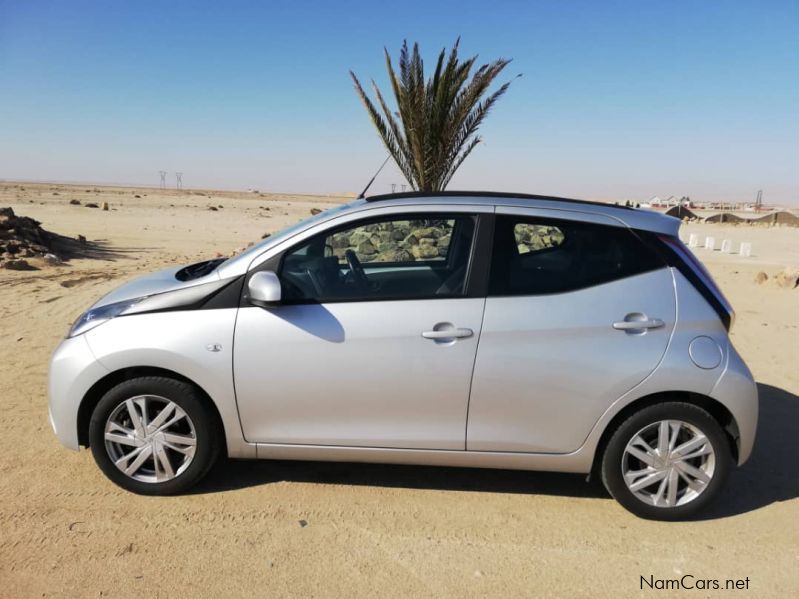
point(579, 311)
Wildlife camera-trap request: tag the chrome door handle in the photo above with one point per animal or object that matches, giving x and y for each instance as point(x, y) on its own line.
point(448, 334)
point(627, 325)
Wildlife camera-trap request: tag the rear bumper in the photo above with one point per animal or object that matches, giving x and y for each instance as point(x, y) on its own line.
point(736, 389)
point(73, 371)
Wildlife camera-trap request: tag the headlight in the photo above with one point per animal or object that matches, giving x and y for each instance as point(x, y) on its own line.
point(97, 316)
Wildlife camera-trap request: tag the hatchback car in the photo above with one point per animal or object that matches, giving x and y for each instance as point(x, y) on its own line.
point(461, 329)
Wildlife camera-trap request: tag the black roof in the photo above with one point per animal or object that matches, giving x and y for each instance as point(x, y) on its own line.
point(483, 194)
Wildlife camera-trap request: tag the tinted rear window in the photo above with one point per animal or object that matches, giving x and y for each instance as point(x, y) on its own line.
point(534, 256)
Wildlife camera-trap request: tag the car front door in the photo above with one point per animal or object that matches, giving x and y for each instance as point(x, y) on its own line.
point(579, 311)
point(374, 340)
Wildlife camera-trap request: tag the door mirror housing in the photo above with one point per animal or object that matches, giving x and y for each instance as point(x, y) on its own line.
point(264, 289)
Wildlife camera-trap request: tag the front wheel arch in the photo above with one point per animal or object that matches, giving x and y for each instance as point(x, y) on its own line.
point(102, 386)
point(714, 407)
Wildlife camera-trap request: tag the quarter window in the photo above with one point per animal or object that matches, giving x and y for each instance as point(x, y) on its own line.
point(535, 256)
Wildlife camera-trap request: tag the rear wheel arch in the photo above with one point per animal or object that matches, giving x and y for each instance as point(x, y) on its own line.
point(101, 387)
point(714, 407)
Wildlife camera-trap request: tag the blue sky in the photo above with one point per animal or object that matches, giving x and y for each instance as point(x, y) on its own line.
point(617, 99)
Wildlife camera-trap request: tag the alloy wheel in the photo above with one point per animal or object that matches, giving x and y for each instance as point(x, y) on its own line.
point(150, 438)
point(668, 463)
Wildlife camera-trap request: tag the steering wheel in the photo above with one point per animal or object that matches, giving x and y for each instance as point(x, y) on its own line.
point(356, 268)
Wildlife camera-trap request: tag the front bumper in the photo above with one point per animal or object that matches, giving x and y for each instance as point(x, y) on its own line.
point(73, 371)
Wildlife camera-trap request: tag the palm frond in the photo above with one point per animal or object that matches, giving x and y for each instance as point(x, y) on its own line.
point(434, 127)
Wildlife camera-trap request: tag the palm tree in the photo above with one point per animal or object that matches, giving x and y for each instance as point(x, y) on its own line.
point(435, 128)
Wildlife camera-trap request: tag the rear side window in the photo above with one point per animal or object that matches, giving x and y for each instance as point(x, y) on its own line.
point(534, 256)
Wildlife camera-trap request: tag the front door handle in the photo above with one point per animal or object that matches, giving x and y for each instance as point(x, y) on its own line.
point(448, 334)
point(629, 325)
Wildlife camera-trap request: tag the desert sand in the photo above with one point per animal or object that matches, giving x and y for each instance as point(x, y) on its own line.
point(293, 529)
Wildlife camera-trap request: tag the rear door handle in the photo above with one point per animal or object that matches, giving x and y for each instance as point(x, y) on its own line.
point(627, 325)
point(448, 334)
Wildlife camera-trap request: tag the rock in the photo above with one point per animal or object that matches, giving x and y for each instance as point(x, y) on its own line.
point(761, 278)
point(411, 240)
point(105, 206)
point(82, 239)
point(365, 248)
point(339, 241)
point(17, 265)
point(424, 252)
point(315, 211)
point(787, 278)
point(213, 208)
point(52, 259)
point(22, 237)
point(137, 196)
point(91, 205)
point(74, 202)
point(394, 255)
point(428, 232)
point(359, 237)
point(265, 235)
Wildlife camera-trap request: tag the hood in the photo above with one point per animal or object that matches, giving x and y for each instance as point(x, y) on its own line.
point(162, 281)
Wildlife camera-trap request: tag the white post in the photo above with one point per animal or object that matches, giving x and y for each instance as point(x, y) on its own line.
point(746, 249)
point(710, 243)
point(726, 246)
point(693, 240)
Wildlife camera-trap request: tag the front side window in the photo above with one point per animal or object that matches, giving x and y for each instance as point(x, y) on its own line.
point(534, 256)
point(410, 257)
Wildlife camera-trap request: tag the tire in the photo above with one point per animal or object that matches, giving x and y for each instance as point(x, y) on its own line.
point(697, 472)
point(182, 446)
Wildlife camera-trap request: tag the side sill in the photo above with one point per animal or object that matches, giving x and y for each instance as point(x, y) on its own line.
point(578, 462)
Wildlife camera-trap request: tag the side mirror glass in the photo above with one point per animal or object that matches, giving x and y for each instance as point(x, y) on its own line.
point(264, 288)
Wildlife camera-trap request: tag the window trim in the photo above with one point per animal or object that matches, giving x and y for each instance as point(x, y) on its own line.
point(565, 222)
point(275, 262)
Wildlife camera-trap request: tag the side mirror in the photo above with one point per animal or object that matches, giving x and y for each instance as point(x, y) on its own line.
point(264, 288)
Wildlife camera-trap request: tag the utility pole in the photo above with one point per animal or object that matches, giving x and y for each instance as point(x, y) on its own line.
point(163, 179)
point(178, 180)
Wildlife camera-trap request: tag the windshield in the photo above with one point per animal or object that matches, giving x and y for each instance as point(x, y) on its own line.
point(283, 234)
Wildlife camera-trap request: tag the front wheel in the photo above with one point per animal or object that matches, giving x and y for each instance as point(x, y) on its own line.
point(667, 461)
point(154, 436)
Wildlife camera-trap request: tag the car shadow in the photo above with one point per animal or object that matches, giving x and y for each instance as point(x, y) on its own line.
point(771, 474)
point(229, 475)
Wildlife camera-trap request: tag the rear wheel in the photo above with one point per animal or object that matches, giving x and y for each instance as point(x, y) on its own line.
point(154, 435)
point(667, 461)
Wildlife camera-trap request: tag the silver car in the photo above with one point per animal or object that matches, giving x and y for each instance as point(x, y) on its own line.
point(467, 329)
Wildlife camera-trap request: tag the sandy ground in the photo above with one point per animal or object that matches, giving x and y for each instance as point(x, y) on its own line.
point(289, 529)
